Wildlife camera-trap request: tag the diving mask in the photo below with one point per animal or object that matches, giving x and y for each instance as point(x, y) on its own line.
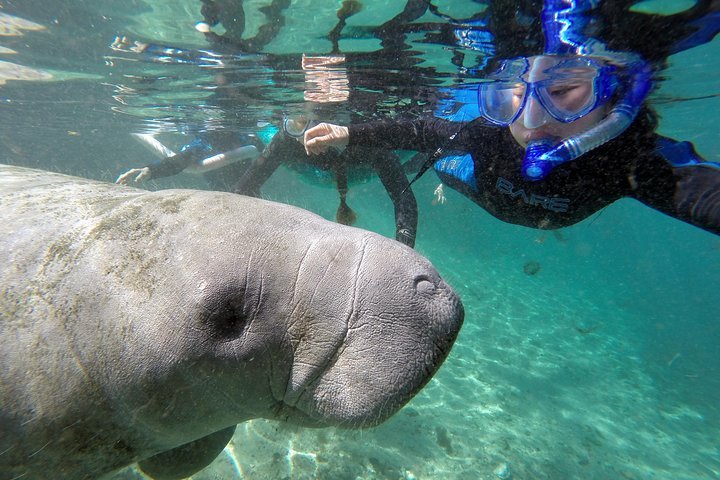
point(296, 127)
point(566, 89)
point(546, 82)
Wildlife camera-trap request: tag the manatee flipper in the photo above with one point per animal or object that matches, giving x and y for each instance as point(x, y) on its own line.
point(185, 460)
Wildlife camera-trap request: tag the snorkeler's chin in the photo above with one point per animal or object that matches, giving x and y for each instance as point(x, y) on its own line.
point(535, 136)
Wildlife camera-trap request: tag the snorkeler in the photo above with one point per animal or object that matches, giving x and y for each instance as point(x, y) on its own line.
point(220, 157)
point(326, 85)
point(580, 134)
point(339, 167)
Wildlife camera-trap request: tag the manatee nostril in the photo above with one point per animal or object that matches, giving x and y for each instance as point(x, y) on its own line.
point(423, 284)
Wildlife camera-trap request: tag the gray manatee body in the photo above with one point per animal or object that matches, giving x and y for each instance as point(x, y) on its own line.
point(143, 326)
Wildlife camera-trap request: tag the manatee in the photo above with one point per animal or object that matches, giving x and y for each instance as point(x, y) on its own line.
point(144, 326)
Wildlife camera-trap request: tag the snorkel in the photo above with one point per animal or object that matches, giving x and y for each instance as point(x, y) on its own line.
point(563, 27)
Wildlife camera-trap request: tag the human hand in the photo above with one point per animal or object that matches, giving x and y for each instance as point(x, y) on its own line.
point(322, 136)
point(141, 174)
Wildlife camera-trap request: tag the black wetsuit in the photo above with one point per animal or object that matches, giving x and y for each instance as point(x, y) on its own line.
point(638, 164)
point(343, 165)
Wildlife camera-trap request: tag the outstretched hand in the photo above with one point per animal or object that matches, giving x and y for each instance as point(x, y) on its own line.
point(322, 136)
point(141, 174)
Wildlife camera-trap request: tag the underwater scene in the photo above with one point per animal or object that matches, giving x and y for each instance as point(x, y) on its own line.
point(590, 348)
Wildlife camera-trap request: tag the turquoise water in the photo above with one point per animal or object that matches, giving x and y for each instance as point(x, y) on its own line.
point(604, 364)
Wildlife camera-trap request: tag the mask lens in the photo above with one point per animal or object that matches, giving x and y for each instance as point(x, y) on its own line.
point(500, 101)
point(295, 127)
point(569, 99)
point(569, 90)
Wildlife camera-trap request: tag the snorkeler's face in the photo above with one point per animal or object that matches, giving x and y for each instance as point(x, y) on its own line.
point(539, 125)
point(557, 97)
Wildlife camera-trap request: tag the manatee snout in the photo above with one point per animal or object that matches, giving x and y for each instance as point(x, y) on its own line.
point(404, 321)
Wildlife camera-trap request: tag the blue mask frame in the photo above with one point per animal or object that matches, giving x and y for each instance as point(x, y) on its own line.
point(495, 97)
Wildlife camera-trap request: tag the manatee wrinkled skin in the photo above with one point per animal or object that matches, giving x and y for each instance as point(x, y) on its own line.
point(143, 326)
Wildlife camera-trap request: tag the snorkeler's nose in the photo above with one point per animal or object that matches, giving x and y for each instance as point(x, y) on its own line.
point(535, 114)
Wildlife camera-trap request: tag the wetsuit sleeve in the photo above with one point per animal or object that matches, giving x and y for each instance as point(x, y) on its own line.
point(389, 170)
point(192, 152)
point(424, 135)
point(261, 169)
point(172, 165)
point(680, 183)
point(697, 196)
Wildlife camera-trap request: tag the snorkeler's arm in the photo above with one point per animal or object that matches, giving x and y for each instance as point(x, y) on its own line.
point(423, 134)
point(167, 167)
point(388, 168)
point(681, 184)
point(172, 165)
point(281, 147)
point(697, 195)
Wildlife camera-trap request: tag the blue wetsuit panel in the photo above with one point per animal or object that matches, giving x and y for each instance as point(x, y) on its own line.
point(681, 154)
point(705, 30)
point(460, 167)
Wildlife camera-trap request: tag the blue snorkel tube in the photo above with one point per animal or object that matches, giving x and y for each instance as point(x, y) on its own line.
point(563, 27)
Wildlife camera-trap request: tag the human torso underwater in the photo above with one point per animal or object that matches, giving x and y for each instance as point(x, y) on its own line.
point(572, 192)
point(320, 169)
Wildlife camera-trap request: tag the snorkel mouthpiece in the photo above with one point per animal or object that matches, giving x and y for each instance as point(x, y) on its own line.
point(536, 164)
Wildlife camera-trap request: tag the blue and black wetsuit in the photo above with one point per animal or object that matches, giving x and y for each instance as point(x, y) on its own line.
point(338, 168)
point(211, 143)
point(484, 165)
